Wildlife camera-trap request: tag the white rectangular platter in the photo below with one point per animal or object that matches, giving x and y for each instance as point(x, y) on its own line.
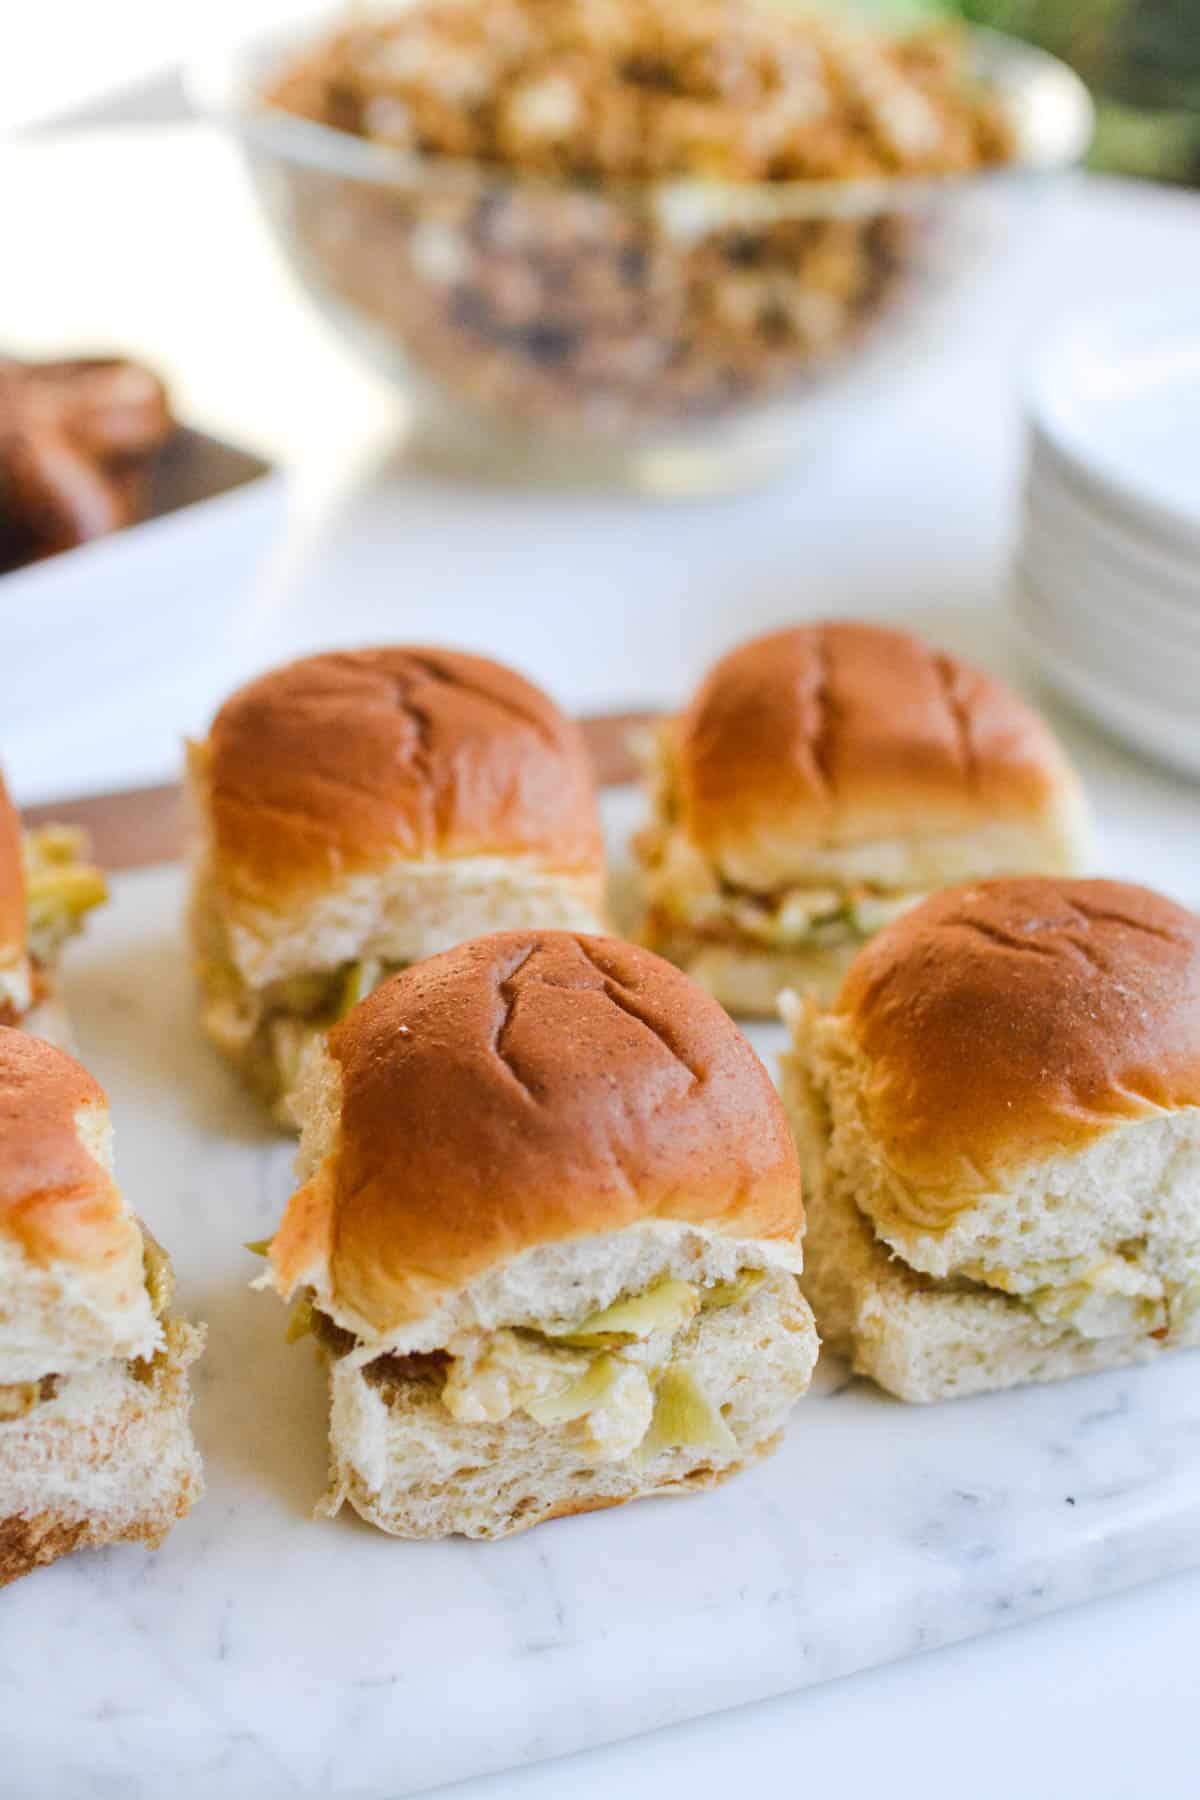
point(261, 1653)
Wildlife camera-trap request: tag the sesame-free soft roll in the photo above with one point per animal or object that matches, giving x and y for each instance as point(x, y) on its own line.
point(999, 1127)
point(824, 779)
point(94, 1440)
point(548, 1237)
point(46, 889)
point(357, 811)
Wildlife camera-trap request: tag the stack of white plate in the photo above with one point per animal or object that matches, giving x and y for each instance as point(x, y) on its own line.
point(1107, 584)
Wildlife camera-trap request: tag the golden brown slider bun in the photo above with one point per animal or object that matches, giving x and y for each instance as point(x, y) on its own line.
point(349, 762)
point(828, 736)
point(360, 810)
point(94, 1443)
point(823, 778)
point(512, 1138)
point(546, 1087)
point(71, 1281)
point(999, 1122)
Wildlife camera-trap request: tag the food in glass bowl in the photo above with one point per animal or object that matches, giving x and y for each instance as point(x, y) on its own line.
point(627, 222)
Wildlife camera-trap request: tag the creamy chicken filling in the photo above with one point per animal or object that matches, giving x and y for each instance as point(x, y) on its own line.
point(624, 1379)
point(271, 1027)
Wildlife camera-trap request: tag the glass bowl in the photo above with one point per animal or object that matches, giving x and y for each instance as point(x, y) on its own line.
point(676, 336)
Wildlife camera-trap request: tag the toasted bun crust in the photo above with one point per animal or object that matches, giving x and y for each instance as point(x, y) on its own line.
point(522, 1089)
point(1003, 1022)
point(836, 734)
point(12, 884)
point(57, 1199)
point(350, 761)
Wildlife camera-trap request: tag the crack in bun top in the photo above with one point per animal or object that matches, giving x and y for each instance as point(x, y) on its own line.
point(524, 1089)
point(999, 1023)
point(350, 761)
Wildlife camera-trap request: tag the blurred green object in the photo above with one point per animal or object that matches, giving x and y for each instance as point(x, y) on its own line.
point(1141, 58)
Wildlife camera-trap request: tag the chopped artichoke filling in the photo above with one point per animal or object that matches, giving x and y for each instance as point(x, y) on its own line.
point(1105, 1296)
point(683, 1415)
point(272, 1027)
point(666, 1306)
point(687, 892)
point(159, 1275)
point(797, 919)
point(61, 887)
point(1095, 1314)
point(810, 917)
point(615, 1375)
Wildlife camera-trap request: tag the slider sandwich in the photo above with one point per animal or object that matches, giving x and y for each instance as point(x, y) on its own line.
point(999, 1127)
point(822, 781)
point(94, 1439)
point(355, 812)
point(548, 1238)
point(46, 889)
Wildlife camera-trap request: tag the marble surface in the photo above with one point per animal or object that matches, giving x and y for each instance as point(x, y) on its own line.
point(264, 1654)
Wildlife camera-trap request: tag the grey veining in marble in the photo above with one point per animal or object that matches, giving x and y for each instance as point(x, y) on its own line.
point(261, 1653)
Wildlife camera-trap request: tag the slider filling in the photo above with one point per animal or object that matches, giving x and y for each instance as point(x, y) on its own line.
point(624, 1381)
point(266, 1030)
point(1110, 1290)
point(61, 888)
point(692, 906)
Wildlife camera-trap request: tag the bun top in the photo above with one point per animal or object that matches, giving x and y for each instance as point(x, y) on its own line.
point(58, 1200)
point(12, 888)
point(1003, 1022)
point(349, 761)
point(837, 734)
point(523, 1089)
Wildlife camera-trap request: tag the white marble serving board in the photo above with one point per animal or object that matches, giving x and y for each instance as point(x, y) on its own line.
point(261, 1653)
